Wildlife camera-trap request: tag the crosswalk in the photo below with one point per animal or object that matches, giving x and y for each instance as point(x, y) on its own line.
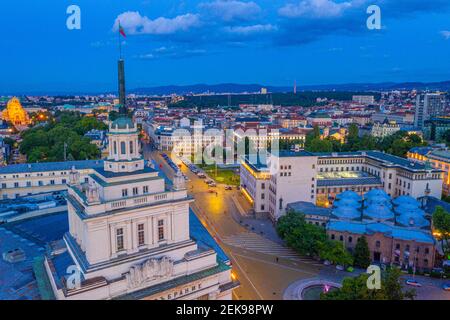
point(254, 242)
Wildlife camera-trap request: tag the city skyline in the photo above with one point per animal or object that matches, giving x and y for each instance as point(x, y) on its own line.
point(313, 42)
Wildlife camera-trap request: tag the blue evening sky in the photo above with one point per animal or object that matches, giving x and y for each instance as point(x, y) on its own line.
point(270, 42)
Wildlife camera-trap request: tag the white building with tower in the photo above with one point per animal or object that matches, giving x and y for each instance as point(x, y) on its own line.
point(129, 234)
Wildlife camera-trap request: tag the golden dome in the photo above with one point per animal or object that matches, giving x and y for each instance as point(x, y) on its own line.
point(15, 113)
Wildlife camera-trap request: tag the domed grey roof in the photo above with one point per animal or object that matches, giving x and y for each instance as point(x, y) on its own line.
point(379, 212)
point(123, 123)
point(408, 200)
point(409, 208)
point(377, 200)
point(376, 193)
point(347, 202)
point(412, 219)
point(348, 195)
point(346, 212)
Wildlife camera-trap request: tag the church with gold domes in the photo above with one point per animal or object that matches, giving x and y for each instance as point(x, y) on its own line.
point(15, 113)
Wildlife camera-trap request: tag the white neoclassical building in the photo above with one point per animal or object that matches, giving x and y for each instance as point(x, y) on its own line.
point(129, 234)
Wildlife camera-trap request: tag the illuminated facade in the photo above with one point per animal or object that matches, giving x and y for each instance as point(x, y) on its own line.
point(15, 113)
point(129, 234)
point(439, 159)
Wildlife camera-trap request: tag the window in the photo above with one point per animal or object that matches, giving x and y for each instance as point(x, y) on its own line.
point(41, 183)
point(263, 186)
point(131, 146)
point(4, 185)
point(350, 239)
point(262, 207)
point(332, 237)
point(115, 147)
point(145, 189)
point(378, 244)
point(29, 183)
point(119, 239)
point(427, 250)
point(397, 246)
point(16, 184)
point(135, 191)
point(341, 238)
point(141, 234)
point(52, 182)
point(160, 230)
point(124, 192)
point(123, 148)
point(262, 195)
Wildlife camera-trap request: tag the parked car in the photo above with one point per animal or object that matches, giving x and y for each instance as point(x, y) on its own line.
point(213, 184)
point(413, 283)
point(238, 188)
point(228, 188)
point(327, 263)
point(339, 267)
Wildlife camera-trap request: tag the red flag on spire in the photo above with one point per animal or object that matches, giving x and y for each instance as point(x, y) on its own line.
point(122, 31)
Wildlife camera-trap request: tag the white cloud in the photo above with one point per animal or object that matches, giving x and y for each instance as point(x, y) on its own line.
point(317, 8)
point(231, 10)
point(134, 23)
point(446, 34)
point(247, 30)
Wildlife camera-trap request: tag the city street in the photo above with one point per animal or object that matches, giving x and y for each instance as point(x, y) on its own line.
point(253, 257)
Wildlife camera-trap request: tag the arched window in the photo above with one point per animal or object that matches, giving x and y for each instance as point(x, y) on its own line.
point(115, 147)
point(350, 239)
point(122, 148)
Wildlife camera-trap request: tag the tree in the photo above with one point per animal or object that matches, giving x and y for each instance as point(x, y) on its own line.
point(353, 137)
point(441, 225)
point(335, 252)
point(303, 237)
point(48, 143)
point(318, 145)
point(362, 253)
point(356, 288)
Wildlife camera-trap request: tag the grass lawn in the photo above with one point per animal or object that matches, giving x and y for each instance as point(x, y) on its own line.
point(224, 176)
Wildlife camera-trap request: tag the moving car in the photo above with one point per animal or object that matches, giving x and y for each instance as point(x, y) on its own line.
point(413, 283)
point(228, 188)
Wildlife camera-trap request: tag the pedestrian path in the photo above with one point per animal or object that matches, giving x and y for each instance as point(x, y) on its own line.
point(254, 242)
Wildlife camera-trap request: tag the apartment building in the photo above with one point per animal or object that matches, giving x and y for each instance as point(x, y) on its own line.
point(31, 178)
point(319, 177)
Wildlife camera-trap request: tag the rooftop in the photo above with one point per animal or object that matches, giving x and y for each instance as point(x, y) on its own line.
point(386, 229)
point(51, 166)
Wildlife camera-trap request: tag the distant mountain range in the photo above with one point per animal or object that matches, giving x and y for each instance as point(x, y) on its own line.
point(249, 88)
point(237, 88)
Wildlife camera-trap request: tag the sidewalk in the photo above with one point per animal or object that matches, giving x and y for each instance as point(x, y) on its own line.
point(261, 226)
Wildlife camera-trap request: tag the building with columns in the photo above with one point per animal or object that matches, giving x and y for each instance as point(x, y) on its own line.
point(129, 234)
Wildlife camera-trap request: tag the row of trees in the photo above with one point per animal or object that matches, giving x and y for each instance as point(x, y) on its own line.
point(46, 143)
point(311, 240)
point(356, 288)
point(397, 144)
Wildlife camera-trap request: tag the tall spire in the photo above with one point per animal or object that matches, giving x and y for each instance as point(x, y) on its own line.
point(122, 99)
